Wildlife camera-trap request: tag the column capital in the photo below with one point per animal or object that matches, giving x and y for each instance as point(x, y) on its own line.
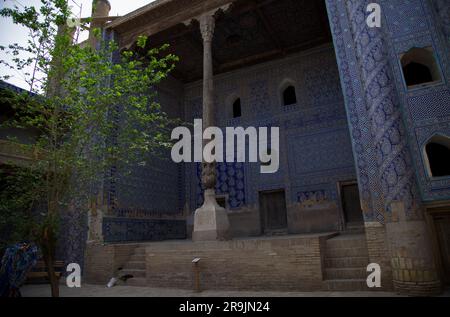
point(207, 25)
point(207, 21)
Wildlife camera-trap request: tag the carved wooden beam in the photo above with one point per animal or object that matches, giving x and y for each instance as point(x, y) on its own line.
point(269, 29)
point(276, 53)
point(162, 17)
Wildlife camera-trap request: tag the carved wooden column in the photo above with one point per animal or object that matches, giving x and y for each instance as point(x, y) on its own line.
point(210, 220)
point(207, 24)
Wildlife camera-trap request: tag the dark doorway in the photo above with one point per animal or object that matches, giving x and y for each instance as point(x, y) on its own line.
point(416, 74)
point(272, 206)
point(442, 225)
point(237, 110)
point(351, 204)
point(439, 159)
point(289, 96)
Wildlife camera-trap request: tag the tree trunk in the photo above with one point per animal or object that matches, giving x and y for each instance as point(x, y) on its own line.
point(49, 262)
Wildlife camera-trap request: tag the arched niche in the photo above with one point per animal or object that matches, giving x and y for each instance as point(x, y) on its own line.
point(233, 105)
point(288, 93)
point(419, 67)
point(437, 156)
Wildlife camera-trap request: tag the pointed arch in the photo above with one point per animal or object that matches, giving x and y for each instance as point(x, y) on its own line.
point(288, 92)
point(437, 156)
point(419, 67)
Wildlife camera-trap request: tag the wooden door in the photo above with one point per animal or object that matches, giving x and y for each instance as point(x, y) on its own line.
point(351, 204)
point(442, 225)
point(273, 211)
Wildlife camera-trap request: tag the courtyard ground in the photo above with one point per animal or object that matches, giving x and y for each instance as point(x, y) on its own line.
point(133, 291)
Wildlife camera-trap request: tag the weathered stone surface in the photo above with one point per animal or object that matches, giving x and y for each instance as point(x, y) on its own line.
point(211, 220)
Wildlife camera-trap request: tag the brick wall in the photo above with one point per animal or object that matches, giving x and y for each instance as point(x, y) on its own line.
point(293, 263)
point(414, 271)
point(98, 263)
point(313, 219)
point(378, 252)
point(102, 261)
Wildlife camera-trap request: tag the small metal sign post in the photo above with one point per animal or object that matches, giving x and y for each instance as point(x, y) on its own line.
point(197, 274)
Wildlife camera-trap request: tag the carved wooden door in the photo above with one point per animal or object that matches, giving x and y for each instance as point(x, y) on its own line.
point(273, 211)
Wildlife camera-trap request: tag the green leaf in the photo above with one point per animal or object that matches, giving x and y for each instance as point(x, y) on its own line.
point(141, 41)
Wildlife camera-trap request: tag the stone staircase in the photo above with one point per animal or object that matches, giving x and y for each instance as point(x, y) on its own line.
point(136, 267)
point(346, 261)
point(354, 228)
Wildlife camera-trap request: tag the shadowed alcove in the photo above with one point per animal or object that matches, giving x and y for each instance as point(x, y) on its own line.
point(419, 67)
point(438, 155)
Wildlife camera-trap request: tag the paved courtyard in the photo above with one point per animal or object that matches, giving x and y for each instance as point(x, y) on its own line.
point(133, 291)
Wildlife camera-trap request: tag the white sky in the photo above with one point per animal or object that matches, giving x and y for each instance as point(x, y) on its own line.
point(11, 33)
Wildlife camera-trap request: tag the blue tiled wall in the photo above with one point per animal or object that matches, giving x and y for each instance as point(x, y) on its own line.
point(315, 149)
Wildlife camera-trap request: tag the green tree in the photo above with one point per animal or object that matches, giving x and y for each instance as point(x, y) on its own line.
point(91, 112)
point(18, 188)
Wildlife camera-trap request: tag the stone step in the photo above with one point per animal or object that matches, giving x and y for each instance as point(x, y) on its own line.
point(351, 262)
point(134, 272)
point(137, 281)
point(345, 273)
point(346, 252)
point(346, 285)
point(354, 228)
point(137, 257)
point(132, 265)
point(359, 230)
point(274, 233)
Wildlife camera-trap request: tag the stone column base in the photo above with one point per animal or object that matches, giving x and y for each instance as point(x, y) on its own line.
point(378, 252)
point(418, 288)
point(211, 221)
point(412, 261)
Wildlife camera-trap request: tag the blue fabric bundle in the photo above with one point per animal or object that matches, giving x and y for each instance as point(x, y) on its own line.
point(17, 261)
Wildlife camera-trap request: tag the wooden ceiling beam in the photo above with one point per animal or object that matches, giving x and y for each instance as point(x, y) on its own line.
point(244, 7)
point(248, 60)
point(269, 29)
point(187, 33)
point(271, 54)
point(176, 34)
